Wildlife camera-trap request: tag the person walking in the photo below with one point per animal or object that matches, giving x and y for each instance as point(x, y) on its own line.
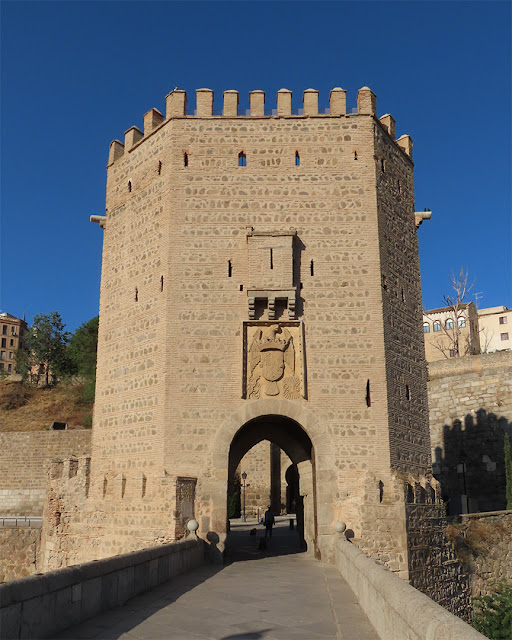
point(268, 521)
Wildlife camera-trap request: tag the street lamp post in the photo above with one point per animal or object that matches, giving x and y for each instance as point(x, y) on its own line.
point(244, 478)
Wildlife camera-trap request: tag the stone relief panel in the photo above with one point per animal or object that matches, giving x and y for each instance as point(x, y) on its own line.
point(273, 360)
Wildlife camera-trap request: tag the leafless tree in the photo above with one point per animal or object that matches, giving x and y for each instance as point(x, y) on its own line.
point(454, 341)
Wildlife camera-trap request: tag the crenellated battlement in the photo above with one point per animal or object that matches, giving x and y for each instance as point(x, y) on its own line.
point(176, 107)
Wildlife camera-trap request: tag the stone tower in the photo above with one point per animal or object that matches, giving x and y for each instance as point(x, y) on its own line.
point(260, 281)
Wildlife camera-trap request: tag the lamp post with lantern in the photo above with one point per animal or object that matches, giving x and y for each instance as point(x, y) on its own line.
point(244, 478)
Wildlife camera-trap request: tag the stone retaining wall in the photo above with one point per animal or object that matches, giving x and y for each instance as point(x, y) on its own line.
point(396, 609)
point(19, 550)
point(470, 401)
point(42, 605)
point(23, 456)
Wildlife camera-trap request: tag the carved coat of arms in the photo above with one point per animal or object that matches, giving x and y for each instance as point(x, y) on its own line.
point(271, 364)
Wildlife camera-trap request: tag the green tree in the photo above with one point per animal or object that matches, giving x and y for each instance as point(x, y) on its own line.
point(508, 472)
point(83, 347)
point(46, 341)
point(22, 362)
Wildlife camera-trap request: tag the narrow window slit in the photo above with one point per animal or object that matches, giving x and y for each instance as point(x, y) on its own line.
point(355, 155)
point(271, 258)
point(383, 165)
point(136, 294)
point(297, 159)
point(242, 159)
point(368, 396)
point(161, 283)
point(241, 287)
point(185, 159)
point(129, 186)
point(159, 167)
point(312, 268)
point(407, 392)
point(230, 269)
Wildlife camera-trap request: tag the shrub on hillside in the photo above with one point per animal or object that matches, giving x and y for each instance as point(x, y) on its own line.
point(493, 613)
point(17, 397)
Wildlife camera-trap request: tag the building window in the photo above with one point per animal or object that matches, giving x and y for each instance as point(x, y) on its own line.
point(504, 336)
point(242, 159)
point(453, 353)
point(13, 331)
point(185, 159)
point(437, 326)
point(129, 186)
point(4, 330)
point(503, 319)
point(10, 355)
point(449, 324)
point(2, 355)
point(4, 342)
point(461, 321)
point(9, 367)
point(382, 165)
point(11, 343)
point(1, 366)
point(297, 159)
point(426, 327)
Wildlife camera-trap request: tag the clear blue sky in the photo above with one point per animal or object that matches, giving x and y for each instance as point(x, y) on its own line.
point(76, 75)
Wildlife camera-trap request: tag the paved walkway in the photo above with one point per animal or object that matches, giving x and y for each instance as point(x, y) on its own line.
point(272, 594)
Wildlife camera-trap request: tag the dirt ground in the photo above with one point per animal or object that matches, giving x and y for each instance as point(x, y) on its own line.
point(28, 408)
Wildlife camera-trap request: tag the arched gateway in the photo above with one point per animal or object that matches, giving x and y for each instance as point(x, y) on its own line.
point(240, 302)
point(294, 430)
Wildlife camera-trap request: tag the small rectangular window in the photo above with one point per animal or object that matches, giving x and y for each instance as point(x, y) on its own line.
point(503, 319)
point(13, 331)
point(2, 355)
point(504, 336)
point(453, 353)
point(4, 342)
point(4, 330)
point(9, 367)
point(1, 366)
point(10, 355)
point(12, 343)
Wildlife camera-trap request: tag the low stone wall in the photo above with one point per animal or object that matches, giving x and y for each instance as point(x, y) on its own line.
point(396, 610)
point(23, 457)
point(19, 550)
point(40, 606)
point(484, 542)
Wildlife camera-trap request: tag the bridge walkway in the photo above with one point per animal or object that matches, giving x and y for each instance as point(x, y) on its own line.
point(272, 594)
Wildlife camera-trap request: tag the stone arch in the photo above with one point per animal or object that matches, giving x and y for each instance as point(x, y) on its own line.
point(258, 408)
point(318, 462)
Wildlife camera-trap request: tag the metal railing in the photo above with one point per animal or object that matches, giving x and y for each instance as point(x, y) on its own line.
point(21, 521)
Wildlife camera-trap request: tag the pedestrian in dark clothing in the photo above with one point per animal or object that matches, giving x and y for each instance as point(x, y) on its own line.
point(268, 521)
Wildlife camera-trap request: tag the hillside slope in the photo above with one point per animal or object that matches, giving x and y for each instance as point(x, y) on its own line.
point(35, 408)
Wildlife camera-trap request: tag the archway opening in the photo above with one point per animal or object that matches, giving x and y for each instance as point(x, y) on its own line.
point(285, 447)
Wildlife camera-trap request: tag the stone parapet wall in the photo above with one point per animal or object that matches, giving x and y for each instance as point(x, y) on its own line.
point(396, 609)
point(19, 550)
point(470, 403)
point(40, 606)
point(23, 457)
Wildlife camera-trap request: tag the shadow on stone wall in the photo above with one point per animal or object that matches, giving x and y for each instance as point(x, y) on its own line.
point(471, 468)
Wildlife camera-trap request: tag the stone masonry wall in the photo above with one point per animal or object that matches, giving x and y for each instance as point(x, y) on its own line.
point(257, 464)
point(470, 403)
point(402, 317)
point(23, 457)
point(19, 552)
